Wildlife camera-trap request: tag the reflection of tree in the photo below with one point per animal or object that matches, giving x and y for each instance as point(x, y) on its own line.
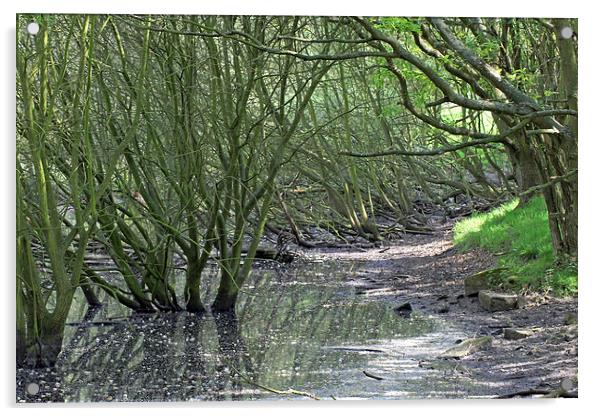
point(150, 358)
point(280, 331)
point(276, 316)
point(263, 303)
point(233, 355)
point(194, 380)
point(288, 325)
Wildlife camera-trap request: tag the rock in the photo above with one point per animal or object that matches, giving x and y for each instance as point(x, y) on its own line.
point(480, 281)
point(493, 301)
point(517, 333)
point(570, 318)
point(443, 309)
point(570, 333)
point(404, 309)
point(468, 347)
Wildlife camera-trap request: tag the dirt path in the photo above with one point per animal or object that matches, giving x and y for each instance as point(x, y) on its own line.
point(428, 272)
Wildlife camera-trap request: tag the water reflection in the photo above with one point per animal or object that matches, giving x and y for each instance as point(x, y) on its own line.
point(303, 329)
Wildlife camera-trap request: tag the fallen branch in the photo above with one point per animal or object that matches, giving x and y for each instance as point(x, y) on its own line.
point(273, 390)
point(432, 152)
point(545, 393)
point(367, 374)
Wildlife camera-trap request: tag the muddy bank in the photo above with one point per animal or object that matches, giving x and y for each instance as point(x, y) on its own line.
point(427, 272)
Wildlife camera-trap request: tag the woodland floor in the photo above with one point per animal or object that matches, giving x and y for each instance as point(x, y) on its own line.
point(428, 271)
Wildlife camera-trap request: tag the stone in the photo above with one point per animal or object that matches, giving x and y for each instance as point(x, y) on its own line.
point(405, 309)
point(517, 333)
point(468, 347)
point(570, 318)
point(480, 281)
point(443, 309)
point(406, 306)
point(570, 333)
point(493, 301)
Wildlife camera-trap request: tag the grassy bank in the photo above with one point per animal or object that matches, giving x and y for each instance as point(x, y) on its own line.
point(520, 237)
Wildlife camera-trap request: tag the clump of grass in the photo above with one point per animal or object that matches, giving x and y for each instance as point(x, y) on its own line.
point(521, 238)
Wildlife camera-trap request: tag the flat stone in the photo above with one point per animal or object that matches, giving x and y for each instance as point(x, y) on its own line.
point(570, 318)
point(443, 308)
point(493, 301)
point(517, 333)
point(480, 281)
point(570, 333)
point(468, 347)
point(405, 309)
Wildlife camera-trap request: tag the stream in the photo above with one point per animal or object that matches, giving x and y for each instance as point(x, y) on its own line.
point(300, 327)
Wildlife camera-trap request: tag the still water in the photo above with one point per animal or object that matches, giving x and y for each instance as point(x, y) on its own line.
point(301, 327)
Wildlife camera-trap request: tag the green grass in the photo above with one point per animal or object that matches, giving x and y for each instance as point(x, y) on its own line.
point(521, 238)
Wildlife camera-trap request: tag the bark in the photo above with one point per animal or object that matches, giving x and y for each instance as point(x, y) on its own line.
point(526, 172)
point(44, 351)
point(225, 300)
point(568, 192)
point(192, 289)
point(88, 290)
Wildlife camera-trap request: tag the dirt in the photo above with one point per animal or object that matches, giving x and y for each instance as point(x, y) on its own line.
point(428, 271)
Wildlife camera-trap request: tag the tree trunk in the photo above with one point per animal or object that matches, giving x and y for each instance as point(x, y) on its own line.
point(192, 289)
point(526, 171)
point(44, 351)
point(568, 219)
point(88, 290)
point(225, 300)
point(524, 164)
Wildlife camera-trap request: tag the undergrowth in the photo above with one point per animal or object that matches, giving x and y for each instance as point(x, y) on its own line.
point(520, 237)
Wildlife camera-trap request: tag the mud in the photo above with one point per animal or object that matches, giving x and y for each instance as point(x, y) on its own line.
point(427, 272)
